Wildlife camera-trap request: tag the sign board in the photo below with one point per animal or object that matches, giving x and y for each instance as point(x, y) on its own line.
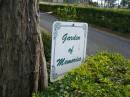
point(69, 40)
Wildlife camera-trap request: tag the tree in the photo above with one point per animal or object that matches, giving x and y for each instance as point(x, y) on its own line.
point(124, 2)
point(129, 4)
point(109, 3)
point(22, 61)
point(101, 3)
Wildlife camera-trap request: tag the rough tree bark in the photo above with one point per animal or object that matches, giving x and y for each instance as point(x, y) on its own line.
point(21, 55)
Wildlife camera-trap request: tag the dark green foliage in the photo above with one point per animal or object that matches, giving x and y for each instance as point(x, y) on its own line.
point(124, 2)
point(129, 5)
point(114, 19)
point(103, 75)
point(46, 38)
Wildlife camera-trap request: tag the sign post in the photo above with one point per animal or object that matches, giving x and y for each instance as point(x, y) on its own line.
point(69, 41)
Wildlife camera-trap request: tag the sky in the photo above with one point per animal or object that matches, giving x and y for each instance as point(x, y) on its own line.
point(100, 0)
point(103, 0)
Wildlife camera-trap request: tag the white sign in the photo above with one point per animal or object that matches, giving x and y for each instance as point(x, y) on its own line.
point(69, 40)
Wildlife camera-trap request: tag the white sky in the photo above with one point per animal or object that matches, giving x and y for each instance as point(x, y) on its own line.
point(103, 0)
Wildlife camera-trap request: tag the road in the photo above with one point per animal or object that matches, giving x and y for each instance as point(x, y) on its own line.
point(97, 39)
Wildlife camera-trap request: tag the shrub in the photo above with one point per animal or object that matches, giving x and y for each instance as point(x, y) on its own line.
point(114, 19)
point(69, 13)
point(103, 75)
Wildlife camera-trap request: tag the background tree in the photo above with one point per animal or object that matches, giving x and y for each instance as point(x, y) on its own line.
point(21, 50)
point(124, 2)
point(129, 4)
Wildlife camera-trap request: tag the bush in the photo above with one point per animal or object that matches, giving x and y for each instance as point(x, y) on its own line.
point(68, 13)
point(103, 75)
point(46, 38)
point(114, 19)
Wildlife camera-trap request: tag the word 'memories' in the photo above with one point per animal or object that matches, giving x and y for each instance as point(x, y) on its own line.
point(69, 41)
point(63, 61)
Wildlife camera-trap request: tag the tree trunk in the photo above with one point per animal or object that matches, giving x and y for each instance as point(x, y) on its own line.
point(21, 54)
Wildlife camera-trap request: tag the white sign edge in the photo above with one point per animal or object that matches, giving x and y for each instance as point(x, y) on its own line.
point(52, 50)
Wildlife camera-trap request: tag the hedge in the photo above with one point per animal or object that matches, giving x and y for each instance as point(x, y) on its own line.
point(114, 19)
point(102, 75)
